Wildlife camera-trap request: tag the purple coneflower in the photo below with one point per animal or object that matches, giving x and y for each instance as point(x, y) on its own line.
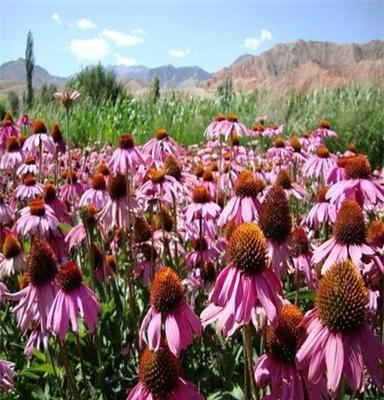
point(201, 207)
point(6, 213)
point(28, 168)
point(7, 375)
point(348, 241)
point(7, 130)
point(358, 184)
point(37, 218)
point(318, 165)
point(72, 190)
point(275, 222)
point(24, 121)
point(324, 130)
point(36, 297)
point(339, 340)
point(12, 258)
point(168, 307)
point(245, 282)
point(291, 188)
point(323, 212)
point(57, 137)
point(161, 146)
point(39, 140)
point(97, 194)
point(29, 189)
point(210, 131)
point(73, 298)
point(57, 205)
point(277, 366)
point(160, 377)
point(225, 127)
point(126, 157)
point(13, 157)
point(244, 206)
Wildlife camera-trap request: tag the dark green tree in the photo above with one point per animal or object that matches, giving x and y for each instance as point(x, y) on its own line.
point(98, 83)
point(155, 89)
point(29, 66)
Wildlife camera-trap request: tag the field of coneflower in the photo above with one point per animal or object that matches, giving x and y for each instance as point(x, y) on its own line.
point(178, 251)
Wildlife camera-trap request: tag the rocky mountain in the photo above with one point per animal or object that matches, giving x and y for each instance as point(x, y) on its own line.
point(169, 76)
point(15, 71)
point(305, 65)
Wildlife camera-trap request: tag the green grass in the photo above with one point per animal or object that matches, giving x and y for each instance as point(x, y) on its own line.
point(356, 113)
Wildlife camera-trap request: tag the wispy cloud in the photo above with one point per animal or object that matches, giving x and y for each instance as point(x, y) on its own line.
point(179, 53)
point(56, 17)
point(138, 31)
point(122, 39)
point(95, 49)
point(253, 43)
point(127, 62)
point(85, 23)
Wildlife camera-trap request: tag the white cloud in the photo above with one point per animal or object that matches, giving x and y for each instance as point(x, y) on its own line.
point(127, 62)
point(122, 39)
point(85, 23)
point(94, 49)
point(254, 43)
point(138, 31)
point(56, 17)
point(179, 53)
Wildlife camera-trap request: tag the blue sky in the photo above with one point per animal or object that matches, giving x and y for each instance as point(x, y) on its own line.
point(70, 34)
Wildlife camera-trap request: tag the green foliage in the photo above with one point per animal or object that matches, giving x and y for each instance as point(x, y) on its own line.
point(13, 102)
point(47, 92)
point(99, 84)
point(29, 66)
point(3, 108)
point(155, 90)
point(355, 113)
point(225, 94)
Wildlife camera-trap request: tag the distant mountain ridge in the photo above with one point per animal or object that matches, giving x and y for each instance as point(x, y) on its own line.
point(305, 65)
point(298, 66)
point(169, 76)
point(15, 71)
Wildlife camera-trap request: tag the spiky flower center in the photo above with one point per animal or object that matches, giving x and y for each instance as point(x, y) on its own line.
point(29, 180)
point(71, 177)
point(376, 232)
point(342, 298)
point(164, 220)
point(258, 127)
point(11, 247)
point(245, 185)
point(102, 168)
point(30, 161)
point(117, 187)
point(141, 229)
point(172, 167)
point(201, 195)
point(12, 144)
point(320, 197)
point(50, 192)
point(161, 134)
point(352, 148)
point(166, 291)
point(295, 144)
point(298, 243)
point(37, 207)
point(208, 175)
point(199, 244)
point(284, 180)
point(357, 168)
point(39, 127)
point(56, 134)
point(322, 152)
point(198, 170)
point(274, 218)
point(42, 263)
point(231, 117)
point(98, 182)
point(159, 371)
point(284, 340)
point(350, 224)
point(324, 124)
point(156, 175)
point(219, 117)
point(247, 248)
point(70, 277)
point(235, 139)
point(126, 142)
point(279, 142)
